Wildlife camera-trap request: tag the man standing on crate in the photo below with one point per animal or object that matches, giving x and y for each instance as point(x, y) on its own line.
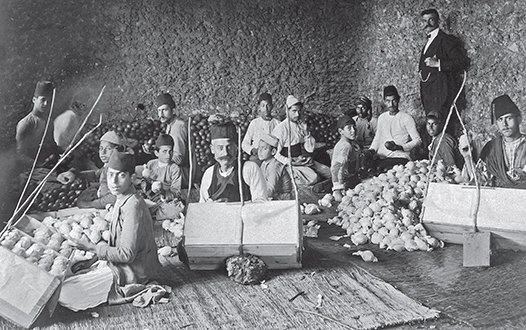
point(220, 182)
point(502, 161)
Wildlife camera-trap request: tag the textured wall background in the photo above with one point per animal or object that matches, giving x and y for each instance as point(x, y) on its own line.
point(219, 55)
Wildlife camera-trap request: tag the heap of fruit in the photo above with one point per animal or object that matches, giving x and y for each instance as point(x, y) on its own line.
point(384, 210)
point(59, 198)
point(47, 249)
point(322, 128)
point(94, 225)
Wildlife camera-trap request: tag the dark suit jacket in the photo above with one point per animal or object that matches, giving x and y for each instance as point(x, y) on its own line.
point(438, 88)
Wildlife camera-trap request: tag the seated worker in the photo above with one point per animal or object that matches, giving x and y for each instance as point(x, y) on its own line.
point(68, 122)
point(301, 144)
point(366, 124)
point(345, 162)
point(503, 159)
point(110, 143)
point(163, 170)
point(220, 182)
point(178, 130)
point(396, 134)
point(130, 257)
point(264, 124)
point(277, 178)
point(448, 150)
point(30, 129)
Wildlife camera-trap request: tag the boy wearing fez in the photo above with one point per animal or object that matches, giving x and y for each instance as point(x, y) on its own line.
point(345, 162)
point(30, 129)
point(277, 178)
point(130, 257)
point(110, 143)
point(162, 174)
point(220, 182)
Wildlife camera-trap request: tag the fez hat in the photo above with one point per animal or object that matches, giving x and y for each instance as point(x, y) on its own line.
point(223, 131)
point(164, 140)
point(391, 91)
point(122, 161)
point(344, 121)
point(435, 115)
point(291, 100)
point(270, 139)
point(44, 88)
point(501, 106)
point(165, 98)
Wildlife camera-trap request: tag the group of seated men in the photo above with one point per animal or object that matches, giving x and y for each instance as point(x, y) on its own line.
point(272, 145)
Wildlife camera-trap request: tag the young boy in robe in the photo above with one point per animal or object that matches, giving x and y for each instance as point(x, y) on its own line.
point(130, 256)
point(345, 162)
point(279, 184)
point(163, 175)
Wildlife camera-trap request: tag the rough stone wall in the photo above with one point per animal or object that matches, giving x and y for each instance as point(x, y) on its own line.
point(217, 56)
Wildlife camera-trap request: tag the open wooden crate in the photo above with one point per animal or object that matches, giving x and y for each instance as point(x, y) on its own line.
point(270, 230)
point(502, 212)
point(26, 289)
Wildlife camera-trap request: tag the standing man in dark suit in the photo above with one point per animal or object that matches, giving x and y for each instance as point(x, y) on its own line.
point(441, 60)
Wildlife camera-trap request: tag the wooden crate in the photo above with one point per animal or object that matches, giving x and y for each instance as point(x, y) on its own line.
point(271, 230)
point(212, 233)
point(502, 212)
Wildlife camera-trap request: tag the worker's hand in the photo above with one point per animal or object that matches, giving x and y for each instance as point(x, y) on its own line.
point(390, 145)
point(66, 177)
point(337, 194)
point(301, 161)
point(83, 243)
point(83, 264)
point(83, 204)
point(463, 146)
point(145, 173)
point(156, 186)
point(432, 62)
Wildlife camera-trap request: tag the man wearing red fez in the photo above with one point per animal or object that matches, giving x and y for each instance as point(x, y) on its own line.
point(220, 182)
point(30, 129)
point(129, 257)
point(503, 157)
point(365, 122)
point(177, 129)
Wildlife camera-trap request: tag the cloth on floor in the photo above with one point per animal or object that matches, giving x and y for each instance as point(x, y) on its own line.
point(93, 285)
point(140, 295)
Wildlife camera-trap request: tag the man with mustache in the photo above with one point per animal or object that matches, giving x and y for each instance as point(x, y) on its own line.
point(441, 59)
point(396, 134)
point(503, 157)
point(220, 182)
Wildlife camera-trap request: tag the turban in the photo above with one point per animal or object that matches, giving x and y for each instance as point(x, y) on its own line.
point(270, 139)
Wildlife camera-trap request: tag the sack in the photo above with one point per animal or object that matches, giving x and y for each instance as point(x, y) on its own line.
point(169, 210)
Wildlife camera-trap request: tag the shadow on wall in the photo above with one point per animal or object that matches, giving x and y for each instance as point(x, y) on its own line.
point(9, 184)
